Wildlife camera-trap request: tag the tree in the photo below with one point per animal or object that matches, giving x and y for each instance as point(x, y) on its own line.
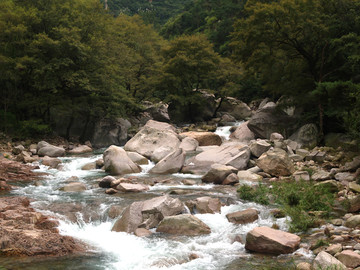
point(189, 64)
point(293, 47)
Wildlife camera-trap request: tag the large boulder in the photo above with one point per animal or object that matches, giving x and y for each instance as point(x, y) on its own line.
point(325, 261)
point(268, 240)
point(151, 137)
point(172, 163)
point(276, 162)
point(243, 217)
point(51, 162)
point(204, 138)
point(353, 221)
point(110, 132)
point(207, 205)
point(270, 119)
point(137, 158)
point(235, 108)
point(46, 149)
point(74, 187)
point(130, 187)
point(116, 162)
point(248, 176)
point(236, 155)
point(242, 133)
point(306, 136)
point(183, 225)
point(349, 258)
point(147, 214)
point(218, 173)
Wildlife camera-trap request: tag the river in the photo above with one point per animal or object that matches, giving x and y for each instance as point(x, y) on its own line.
point(85, 216)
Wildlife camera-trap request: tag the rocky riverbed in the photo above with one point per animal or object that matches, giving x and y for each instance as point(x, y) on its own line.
point(170, 198)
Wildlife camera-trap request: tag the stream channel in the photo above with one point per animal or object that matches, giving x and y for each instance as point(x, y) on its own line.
point(85, 216)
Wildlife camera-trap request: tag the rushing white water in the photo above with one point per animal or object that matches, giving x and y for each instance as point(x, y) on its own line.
point(224, 132)
point(127, 251)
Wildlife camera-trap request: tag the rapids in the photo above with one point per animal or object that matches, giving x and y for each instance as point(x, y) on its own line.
point(84, 215)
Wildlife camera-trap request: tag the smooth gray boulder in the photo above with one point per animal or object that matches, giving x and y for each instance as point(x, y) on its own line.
point(235, 108)
point(172, 163)
point(116, 162)
point(110, 132)
point(189, 144)
point(151, 137)
point(46, 149)
point(137, 158)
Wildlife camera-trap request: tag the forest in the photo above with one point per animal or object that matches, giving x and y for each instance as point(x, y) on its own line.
point(76, 57)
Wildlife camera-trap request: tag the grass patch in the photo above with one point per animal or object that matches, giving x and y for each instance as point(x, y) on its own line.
point(296, 199)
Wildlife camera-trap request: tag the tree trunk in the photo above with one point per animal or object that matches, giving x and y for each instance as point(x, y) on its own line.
point(69, 126)
point(106, 5)
point(321, 122)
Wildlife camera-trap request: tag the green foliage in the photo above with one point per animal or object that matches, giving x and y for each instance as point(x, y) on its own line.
point(33, 129)
point(297, 199)
point(305, 50)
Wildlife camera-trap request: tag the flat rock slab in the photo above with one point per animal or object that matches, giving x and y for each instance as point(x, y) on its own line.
point(243, 217)
point(268, 240)
point(128, 187)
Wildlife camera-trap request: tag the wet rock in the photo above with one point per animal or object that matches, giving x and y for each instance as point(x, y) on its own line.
point(277, 213)
point(276, 162)
point(231, 179)
point(147, 214)
point(106, 181)
point(306, 136)
point(128, 187)
point(89, 166)
point(259, 147)
point(183, 225)
point(353, 221)
point(325, 260)
point(172, 163)
point(207, 205)
point(74, 187)
point(249, 176)
point(99, 163)
point(16, 171)
point(137, 158)
point(243, 217)
point(117, 162)
point(242, 133)
point(267, 240)
point(81, 149)
point(115, 211)
point(349, 258)
point(151, 137)
point(72, 179)
point(46, 149)
point(218, 173)
point(111, 191)
point(204, 138)
point(25, 232)
point(189, 144)
point(51, 162)
point(142, 232)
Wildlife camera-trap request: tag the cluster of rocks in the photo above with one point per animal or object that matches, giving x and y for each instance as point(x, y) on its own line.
point(23, 231)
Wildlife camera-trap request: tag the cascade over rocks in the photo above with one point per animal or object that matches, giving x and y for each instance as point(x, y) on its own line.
point(268, 120)
point(183, 225)
point(46, 149)
point(276, 162)
point(172, 163)
point(268, 240)
point(153, 136)
point(147, 214)
point(116, 162)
